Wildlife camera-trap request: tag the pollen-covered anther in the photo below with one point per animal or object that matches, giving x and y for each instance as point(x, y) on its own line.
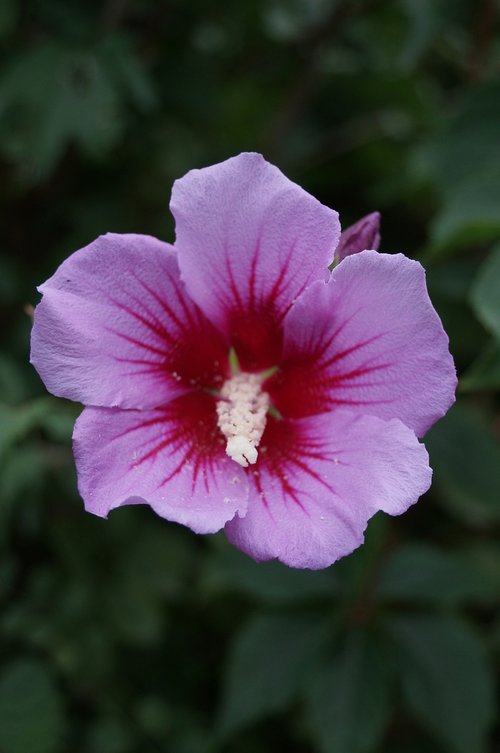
point(241, 416)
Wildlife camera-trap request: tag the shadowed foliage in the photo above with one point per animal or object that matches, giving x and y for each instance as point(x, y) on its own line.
point(133, 635)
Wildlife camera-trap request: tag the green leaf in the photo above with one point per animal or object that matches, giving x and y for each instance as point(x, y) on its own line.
point(466, 334)
point(418, 572)
point(12, 379)
point(469, 214)
point(125, 67)
point(109, 735)
point(451, 279)
point(9, 11)
point(446, 680)
point(8, 571)
point(16, 422)
point(483, 558)
point(230, 571)
point(484, 373)
point(16, 484)
point(286, 20)
point(268, 664)
point(485, 294)
point(466, 459)
point(449, 286)
point(53, 96)
point(31, 713)
point(424, 21)
point(58, 423)
point(154, 715)
point(348, 700)
point(467, 143)
point(465, 160)
point(417, 744)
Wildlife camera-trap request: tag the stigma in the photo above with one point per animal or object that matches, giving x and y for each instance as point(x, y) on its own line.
point(241, 416)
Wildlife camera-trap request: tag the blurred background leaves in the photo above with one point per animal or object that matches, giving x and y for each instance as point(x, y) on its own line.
point(132, 635)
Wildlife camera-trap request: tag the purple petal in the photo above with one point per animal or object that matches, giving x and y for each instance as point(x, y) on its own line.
point(318, 482)
point(249, 242)
point(116, 328)
point(363, 235)
point(369, 340)
point(172, 459)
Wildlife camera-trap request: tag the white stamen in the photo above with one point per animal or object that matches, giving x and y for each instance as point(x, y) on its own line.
point(242, 416)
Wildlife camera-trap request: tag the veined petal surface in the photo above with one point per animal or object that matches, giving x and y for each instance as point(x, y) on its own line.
point(320, 479)
point(250, 241)
point(368, 340)
point(172, 459)
point(116, 327)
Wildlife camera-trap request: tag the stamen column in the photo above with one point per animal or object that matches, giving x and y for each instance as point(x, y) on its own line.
point(242, 416)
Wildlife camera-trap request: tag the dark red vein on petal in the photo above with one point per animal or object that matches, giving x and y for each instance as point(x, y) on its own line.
point(335, 401)
point(280, 285)
point(339, 356)
point(160, 332)
point(155, 324)
point(305, 468)
point(162, 303)
point(252, 276)
point(328, 342)
point(334, 380)
point(138, 343)
point(232, 282)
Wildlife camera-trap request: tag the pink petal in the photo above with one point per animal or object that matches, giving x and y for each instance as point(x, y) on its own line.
point(320, 479)
point(363, 235)
point(369, 340)
point(116, 328)
point(172, 459)
point(249, 242)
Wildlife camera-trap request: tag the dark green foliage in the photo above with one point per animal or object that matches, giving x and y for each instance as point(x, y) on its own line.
point(270, 664)
point(485, 298)
point(467, 467)
point(348, 702)
point(132, 635)
point(445, 678)
point(31, 714)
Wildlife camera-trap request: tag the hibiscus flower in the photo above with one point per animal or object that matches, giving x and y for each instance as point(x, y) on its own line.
point(232, 382)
